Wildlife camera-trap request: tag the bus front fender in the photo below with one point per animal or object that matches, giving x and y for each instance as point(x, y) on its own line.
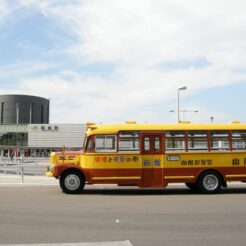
point(59, 169)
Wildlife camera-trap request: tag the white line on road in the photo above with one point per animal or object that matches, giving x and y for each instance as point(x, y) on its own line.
point(114, 243)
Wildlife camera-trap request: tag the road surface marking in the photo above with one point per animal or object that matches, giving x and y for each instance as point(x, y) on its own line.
point(109, 243)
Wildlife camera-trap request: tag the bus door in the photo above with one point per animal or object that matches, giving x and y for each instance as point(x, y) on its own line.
point(152, 159)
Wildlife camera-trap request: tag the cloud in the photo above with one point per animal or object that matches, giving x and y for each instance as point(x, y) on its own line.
point(22, 70)
point(147, 33)
point(141, 36)
point(4, 10)
point(144, 34)
point(129, 33)
point(153, 47)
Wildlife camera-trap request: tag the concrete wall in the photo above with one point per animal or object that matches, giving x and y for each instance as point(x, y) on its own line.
point(56, 135)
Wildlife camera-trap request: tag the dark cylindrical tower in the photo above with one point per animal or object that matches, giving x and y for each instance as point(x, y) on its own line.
point(23, 109)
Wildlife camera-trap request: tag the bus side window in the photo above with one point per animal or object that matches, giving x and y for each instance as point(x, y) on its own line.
point(128, 141)
point(105, 143)
point(238, 140)
point(175, 141)
point(197, 140)
point(90, 145)
point(219, 140)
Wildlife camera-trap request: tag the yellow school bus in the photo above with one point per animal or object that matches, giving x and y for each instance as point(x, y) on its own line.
point(203, 156)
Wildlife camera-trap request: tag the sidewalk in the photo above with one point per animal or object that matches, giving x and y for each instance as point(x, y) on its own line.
point(13, 180)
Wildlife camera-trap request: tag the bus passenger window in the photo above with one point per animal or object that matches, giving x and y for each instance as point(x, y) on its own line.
point(238, 140)
point(128, 141)
point(175, 141)
point(197, 140)
point(105, 143)
point(128, 145)
point(219, 140)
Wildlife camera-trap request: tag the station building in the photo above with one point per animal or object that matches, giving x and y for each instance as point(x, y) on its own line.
point(25, 129)
point(23, 109)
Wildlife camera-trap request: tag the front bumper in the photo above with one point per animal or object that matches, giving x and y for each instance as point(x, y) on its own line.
point(49, 171)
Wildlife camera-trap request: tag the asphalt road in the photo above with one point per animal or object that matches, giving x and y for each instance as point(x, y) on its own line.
point(173, 216)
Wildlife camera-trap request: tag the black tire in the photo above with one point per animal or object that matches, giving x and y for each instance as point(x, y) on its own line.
point(192, 186)
point(209, 182)
point(72, 182)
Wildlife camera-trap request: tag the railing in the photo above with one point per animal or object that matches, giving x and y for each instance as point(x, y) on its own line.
point(23, 167)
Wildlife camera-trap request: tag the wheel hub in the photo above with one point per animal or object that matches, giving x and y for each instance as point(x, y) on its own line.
point(72, 182)
point(210, 182)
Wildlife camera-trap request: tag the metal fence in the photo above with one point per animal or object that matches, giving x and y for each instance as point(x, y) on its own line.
point(27, 166)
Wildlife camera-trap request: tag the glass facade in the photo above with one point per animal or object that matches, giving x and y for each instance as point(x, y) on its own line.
point(14, 139)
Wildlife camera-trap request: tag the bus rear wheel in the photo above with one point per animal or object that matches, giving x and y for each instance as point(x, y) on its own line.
point(72, 182)
point(209, 182)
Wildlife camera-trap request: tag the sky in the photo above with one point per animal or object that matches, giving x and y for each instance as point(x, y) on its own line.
point(109, 61)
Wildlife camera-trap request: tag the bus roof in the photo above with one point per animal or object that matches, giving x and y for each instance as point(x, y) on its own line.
point(114, 128)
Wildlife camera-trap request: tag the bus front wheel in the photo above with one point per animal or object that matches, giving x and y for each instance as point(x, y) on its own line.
point(72, 182)
point(209, 182)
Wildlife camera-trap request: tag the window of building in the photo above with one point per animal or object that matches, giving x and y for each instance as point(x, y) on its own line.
point(128, 141)
point(13, 139)
point(175, 141)
point(42, 114)
point(105, 143)
point(197, 141)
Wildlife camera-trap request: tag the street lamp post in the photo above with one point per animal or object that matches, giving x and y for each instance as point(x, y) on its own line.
point(180, 89)
point(185, 111)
